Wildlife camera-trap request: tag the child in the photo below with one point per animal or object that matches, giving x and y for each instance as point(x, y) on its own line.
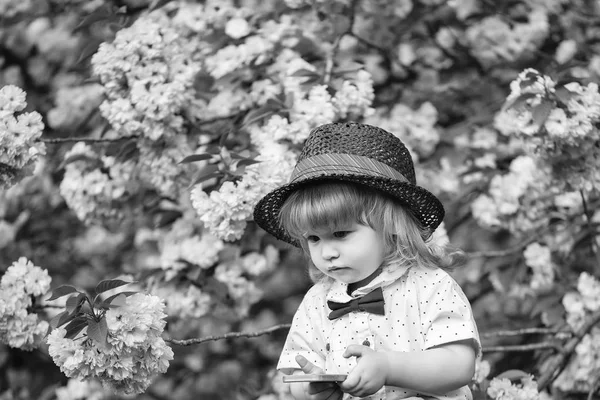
point(383, 309)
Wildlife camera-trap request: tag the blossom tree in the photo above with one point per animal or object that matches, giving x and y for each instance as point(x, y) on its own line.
point(136, 136)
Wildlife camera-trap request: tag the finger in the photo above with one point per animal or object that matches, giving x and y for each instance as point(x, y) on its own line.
point(350, 383)
point(354, 350)
point(307, 366)
point(318, 387)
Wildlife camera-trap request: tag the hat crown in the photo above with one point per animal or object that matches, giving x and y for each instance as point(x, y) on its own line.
point(360, 140)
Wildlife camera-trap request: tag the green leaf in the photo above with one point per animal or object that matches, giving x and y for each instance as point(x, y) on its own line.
point(116, 300)
point(518, 101)
point(563, 94)
point(75, 326)
point(74, 302)
point(62, 291)
point(100, 14)
point(305, 72)
point(109, 284)
point(77, 157)
point(98, 331)
point(211, 171)
point(541, 112)
point(61, 319)
point(196, 157)
point(246, 161)
point(158, 4)
point(513, 375)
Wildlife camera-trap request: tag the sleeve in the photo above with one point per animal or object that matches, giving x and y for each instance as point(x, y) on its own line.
point(304, 338)
point(446, 314)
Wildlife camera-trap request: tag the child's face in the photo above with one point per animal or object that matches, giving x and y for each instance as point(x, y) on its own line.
point(348, 254)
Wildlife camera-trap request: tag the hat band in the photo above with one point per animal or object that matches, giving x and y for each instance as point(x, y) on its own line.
point(344, 164)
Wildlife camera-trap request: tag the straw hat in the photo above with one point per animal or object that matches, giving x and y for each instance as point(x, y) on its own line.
point(358, 153)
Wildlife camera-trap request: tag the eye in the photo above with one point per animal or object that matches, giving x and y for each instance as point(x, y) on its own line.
point(341, 234)
point(312, 238)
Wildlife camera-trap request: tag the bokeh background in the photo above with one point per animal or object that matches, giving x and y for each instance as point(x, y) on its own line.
point(137, 135)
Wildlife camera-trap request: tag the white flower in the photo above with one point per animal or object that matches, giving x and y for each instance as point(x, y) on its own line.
point(237, 28)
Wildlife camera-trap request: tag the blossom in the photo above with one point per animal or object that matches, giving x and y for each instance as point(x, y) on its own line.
point(19, 131)
point(20, 328)
point(135, 351)
point(503, 389)
point(237, 28)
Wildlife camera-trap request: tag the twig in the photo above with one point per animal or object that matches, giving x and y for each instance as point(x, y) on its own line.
point(187, 342)
point(83, 139)
point(502, 253)
point(527, 331)
point(595, 386)
point(588, 215)
point(521, 347)
point(557, 364)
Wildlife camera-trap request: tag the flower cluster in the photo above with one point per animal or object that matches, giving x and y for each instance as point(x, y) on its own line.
point(504, 389)
point(135, 351)
point(93, 184)
point(81, 390)
point(415, 127)
point(517, 200)
point(584, 301)
point(20, 328)
point(493, 40)
point(147, 74)
point(73, 104)
point(538, 258)
point(19, 131)
point(566, 135)
point(580, 373)
point(182, 246)
point(190, 302)
point(225, 212)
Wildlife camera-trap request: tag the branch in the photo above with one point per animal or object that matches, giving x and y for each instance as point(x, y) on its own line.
point(82, 139)
point(527, 331)
point(560, 361)
point(187, 342)
point(521, 347)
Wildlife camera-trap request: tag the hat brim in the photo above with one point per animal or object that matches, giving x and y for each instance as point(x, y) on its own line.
point(424, 205)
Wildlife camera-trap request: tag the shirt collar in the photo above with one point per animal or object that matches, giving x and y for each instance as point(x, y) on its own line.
point(390, 274)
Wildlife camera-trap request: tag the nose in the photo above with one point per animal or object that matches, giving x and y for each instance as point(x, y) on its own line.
point(329, 251)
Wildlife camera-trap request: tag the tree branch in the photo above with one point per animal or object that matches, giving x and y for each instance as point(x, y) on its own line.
point(521, 347)
point(560, 361)
point(528, 331)
point(187, 342)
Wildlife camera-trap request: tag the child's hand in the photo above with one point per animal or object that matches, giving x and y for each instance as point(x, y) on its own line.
point(316, 390)
point(369, 374)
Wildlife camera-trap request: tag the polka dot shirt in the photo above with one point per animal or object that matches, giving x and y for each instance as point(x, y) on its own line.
point(424, 308)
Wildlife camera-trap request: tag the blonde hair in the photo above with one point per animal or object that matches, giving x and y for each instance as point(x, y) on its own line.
point(334, 204)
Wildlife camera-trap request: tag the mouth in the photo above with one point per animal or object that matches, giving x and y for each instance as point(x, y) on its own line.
point(333, 269)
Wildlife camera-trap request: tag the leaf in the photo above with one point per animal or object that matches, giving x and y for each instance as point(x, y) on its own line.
point(518, 101)
point(223, 138)
point(74, 302)
point(158, 4)
point(305, 72)
point(110, 301)
point(563, 94)
point(196, 157)
point(246, 161)
point(98, 331)
point(513, 374)
point(100, 14)
point(75, 326)
point(62, 291)
point(61, 319)
point(541, 112)
point(90, 48)
point(76, 157)
point(211, 171)
point(109, 284)
point(261, 113)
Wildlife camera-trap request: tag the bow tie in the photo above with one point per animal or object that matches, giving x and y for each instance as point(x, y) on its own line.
point(371, 302)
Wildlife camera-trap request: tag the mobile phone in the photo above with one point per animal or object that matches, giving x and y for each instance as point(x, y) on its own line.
point(314, 378)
